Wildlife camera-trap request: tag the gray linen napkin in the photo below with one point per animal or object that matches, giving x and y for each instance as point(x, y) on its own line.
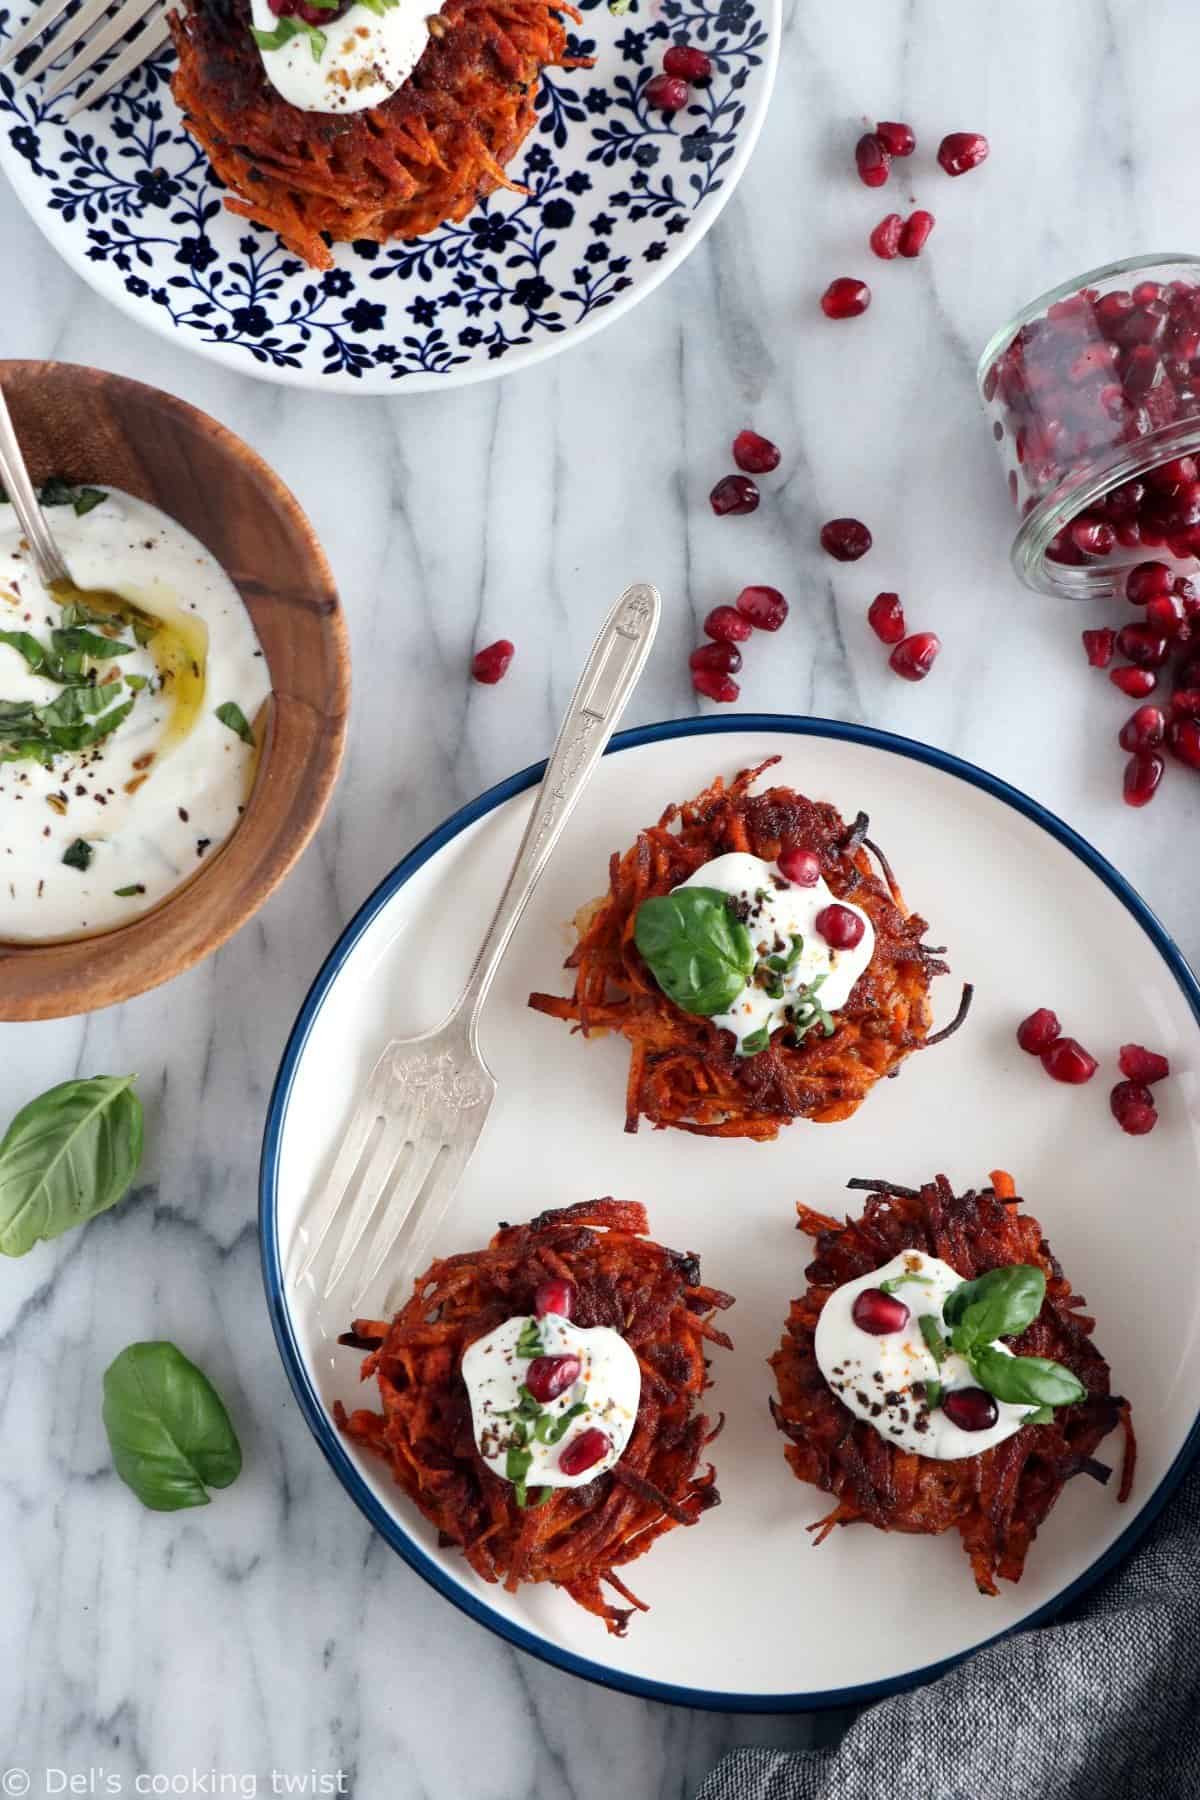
point(1101, 1705)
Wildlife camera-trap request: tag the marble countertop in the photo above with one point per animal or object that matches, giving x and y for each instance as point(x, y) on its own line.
point(270, 1631)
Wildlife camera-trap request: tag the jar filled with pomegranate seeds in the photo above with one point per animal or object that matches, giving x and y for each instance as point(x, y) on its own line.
point(1093, 392)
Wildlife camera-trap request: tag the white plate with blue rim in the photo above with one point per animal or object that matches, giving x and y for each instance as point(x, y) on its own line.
point(618, 196)
point(745, 1611)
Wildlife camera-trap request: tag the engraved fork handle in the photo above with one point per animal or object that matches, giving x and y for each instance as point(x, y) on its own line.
point(19, 489)
point(609, 678)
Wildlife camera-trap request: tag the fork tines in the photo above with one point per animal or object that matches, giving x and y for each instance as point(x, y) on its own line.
point(154, 16)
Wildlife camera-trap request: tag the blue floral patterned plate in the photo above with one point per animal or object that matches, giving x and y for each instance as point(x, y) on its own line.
point(618, 195)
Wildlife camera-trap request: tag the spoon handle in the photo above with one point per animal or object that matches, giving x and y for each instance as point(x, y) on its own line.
point(19, 489)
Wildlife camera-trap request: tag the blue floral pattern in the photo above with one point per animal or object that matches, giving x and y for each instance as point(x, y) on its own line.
point(613, 188)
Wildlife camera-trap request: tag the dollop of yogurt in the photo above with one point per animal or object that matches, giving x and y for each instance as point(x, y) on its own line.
point(605, 1394)
point(882, 1379)
point(776, 912)
point(345, 64)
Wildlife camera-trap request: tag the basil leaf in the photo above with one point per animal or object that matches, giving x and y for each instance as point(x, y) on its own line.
point(757, 1041)
point(137, 887)
point(517, 1463)
point(24, 641)
point(1029, 1380)
point(78, 855)
point(82, 716)
point(999, 1304)
point(543, 1493)
point(86, 499)
point(56, 492)
point(935, 1342)
point(170, 1435)
point(1042, 1416)
point(550, 1430)
point(70, 1154)
point(288, 28)
point(933, 1393)
point(529, 1343)
point(77, 640)
point(229, 712)
point(889, 1287)
point(699, 954)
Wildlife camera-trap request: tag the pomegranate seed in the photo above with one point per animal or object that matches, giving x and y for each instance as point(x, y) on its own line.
point(914, 657)
point(1132, 1107)
point(840, 927)
point(691, 64)
point(1093, 537)
point(961, 151)
point(549, 1376)
point(1143, 646)
point(1183, 741)
point(554, 1296)
point(885, 615)
point(715, 687)
point(845, 298)
point(1067, 1060)
point(1142, 730)
point(666, 93)
point(1143, 772)
point(756, 455)
point(1186, 704)
point(718, 659)
point(1137, 683)
point(970, 1408)
point(583, 1452)
point(1140, 1064)
point(915, 235)
point(873, 161)
point(897, 139)
point(765, 607)
point(1112, 310)
point(801, 867)
point(845, 539)
point(1038, 1031)
point(1188, 591)
point(1165, 614)
point(491, 665)
point(879, 1313)
point(1099, 646)
point(885, 239)
point(728, 625)
point(734, 494)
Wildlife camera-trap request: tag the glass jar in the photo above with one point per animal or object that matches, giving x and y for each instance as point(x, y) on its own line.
point(1093, 392)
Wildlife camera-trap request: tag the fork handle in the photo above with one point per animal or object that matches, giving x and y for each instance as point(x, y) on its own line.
point(608, 679)
point(19, 489)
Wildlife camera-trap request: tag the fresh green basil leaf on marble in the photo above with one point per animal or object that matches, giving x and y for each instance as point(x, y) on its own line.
point(170, 1435)
point(67, 1156)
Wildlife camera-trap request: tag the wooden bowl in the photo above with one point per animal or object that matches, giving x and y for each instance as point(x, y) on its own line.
point(88, 426)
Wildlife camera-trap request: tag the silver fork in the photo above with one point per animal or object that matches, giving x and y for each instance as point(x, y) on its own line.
point(154, 32)
point(428, 1097)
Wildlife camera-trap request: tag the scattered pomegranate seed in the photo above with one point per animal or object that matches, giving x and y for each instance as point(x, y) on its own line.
point(845, 298)
point(915, 235)
point(666, 93)
point(1143, 730)
point(549, 1376)
point(491, 665)
point(845, 539)
point(756, 455)
point(722, 688)
point(970, 1408)
point(801, 867)
point(728, 625)
point(590, 1447)
point(961, 151)
point(554, 1296)
point(879, 1313)
point(733, 494)
point(1186, 704)
point(897, 139)
point(1137, 683)
point(718, 659)
point(1183, 741)
point(1165, 613)
point(687, 62)
point(885, 615)
point(1099, 646)
point(840, 927)
point(873, 160)
point(1132, 1107)
point(1143, 772)
point(1145, 580)
point(1038, 1031)
point(765, 607)
point(1140, 1064)
point(914, 657)
point(1143, 646)
point(1067, 1060)
point(885, 239)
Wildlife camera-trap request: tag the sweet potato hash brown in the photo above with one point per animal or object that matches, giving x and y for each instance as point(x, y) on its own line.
point(997, 1500)
point(684, 1070)
point(426, 155)
point(580, 1536)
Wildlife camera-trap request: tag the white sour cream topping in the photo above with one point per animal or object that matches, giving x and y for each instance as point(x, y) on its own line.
point(367, 56)
point(154, 799)
point(777, 912)
point(609, 1387)
point(874, 1376)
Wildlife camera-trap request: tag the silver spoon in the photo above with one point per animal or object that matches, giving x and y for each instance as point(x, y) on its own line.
point(19, 488)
